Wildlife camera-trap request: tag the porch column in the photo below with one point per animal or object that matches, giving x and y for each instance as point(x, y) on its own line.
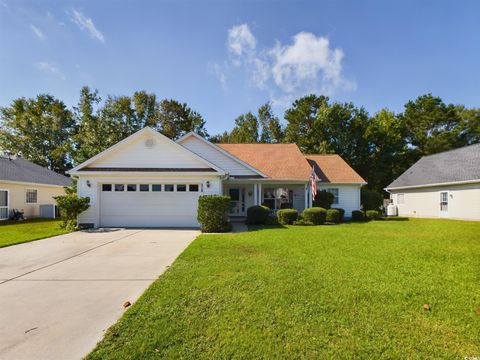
point(306, 196)
point(310, 200)
point(260, 197)
point(255, 194)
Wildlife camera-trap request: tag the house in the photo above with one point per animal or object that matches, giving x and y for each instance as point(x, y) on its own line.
point(29, 187)
point(148, 180)
point(444, 185)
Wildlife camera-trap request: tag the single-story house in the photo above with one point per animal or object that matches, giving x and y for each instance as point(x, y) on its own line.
point(148, 180)
point(444, 185)
point(28, 187)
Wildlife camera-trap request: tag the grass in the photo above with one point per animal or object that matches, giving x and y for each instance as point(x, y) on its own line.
point(345, 291)
point(17, 232)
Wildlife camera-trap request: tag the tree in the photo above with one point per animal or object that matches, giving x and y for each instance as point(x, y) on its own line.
point(432, 126)
point(40, 130)
point(245, 130)
point(71, 205)
point(471, 121)
point(272, 131)
point(176, 119)
point(301, 120)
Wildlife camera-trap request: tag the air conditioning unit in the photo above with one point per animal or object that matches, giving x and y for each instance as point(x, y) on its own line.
point(392, 210)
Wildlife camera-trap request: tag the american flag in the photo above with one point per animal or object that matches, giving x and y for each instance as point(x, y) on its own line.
point(313, 182)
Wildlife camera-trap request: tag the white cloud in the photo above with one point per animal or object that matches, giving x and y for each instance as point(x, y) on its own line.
point(49, 68)
point(309, 64)
point(86, 24)
point(38, 33)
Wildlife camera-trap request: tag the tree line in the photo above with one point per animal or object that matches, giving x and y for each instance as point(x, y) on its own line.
point(379, 146)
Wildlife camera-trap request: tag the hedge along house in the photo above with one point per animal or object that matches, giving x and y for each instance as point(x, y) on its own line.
point(148, 180)
point(444, 185)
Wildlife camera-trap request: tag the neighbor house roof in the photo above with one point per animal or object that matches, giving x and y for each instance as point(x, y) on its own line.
point(21, 170)
point(277, 161)
point(457, 165)
point(332, 168)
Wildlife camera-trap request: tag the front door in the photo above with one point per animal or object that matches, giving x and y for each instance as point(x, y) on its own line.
point(3, 204)
point(237, 201)
point(444, 204)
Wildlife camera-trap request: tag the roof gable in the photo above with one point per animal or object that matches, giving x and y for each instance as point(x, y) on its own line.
point(456, 165)
point(218, 156)
point(21, 170)
point(332, 168)
point(147, 149)
point(277, 161)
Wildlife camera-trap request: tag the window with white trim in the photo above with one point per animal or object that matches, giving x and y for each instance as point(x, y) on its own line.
point(334, 192)
point(31, 196)
point(400, 198)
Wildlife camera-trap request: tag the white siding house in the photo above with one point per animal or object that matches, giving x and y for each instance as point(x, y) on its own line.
point(444, 185)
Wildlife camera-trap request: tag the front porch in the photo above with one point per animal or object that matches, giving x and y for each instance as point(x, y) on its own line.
point(274, 194)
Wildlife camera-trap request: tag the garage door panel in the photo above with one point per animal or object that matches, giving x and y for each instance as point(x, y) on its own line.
point(148, 209)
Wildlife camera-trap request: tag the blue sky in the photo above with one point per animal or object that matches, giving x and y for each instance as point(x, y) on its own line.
point(225, 58)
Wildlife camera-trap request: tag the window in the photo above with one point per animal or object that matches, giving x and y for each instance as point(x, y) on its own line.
point(131, 187)
point(193, 187)
point(169, 187)
point(156, 187)
point(119, 187)
point(106, 187)
point(31, 196)
point(181, 187)
point(144, 187)
point(278, 198)
point(334, 192)
point(400, 198)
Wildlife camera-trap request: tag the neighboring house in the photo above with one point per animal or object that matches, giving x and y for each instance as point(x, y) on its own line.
point(148, 180)
point(27, 186)
point(444, 185)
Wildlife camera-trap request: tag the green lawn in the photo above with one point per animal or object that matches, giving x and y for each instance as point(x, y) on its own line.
point(16, 232)
point(345, 291)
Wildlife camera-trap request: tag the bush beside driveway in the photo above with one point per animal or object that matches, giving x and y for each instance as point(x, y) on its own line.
point(17, 232)
point(354, 290)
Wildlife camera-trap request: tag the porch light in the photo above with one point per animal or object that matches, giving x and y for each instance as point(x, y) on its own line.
point(208, 184)
point(88, 183)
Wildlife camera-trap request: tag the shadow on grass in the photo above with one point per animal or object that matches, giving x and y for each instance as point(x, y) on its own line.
point(265, 227)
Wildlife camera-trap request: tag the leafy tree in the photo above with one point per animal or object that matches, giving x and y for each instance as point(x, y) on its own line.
point(177, 119)
point(40, 130)
point(272, 131)
point(371, 200)
point(471, 121)
point(245, 130)
point(432, 126)
point(302, 123)
point(324, 199)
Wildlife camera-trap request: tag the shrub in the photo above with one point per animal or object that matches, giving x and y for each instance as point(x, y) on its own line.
point(324, 199)
point(358, 215)
point(272, 219)
point(373, 214)
point(371, 200)
point(258, 215)
point(315, 215)
point(287, 216)
point(213, 213)
point(342, 213)
point(70, 206)
point(333, 216)
point(302, 223)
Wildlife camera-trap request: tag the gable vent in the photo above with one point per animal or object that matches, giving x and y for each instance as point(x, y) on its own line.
point(149, 143)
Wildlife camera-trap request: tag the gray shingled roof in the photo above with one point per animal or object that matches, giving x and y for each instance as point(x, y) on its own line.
point(21, 170)
point(450, 166)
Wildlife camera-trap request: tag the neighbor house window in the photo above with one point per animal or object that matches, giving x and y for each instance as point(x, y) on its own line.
point(31, 196)
point(119, 187)
point(131, 187)
point(144, 187)
point(193, 187)
point(181, 187)
point(156, 187)
point(106, 187)
point(334, 192)
point(169, 187)
point(400, 198)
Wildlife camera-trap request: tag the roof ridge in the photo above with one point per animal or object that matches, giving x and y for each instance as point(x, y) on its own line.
point(450, 150)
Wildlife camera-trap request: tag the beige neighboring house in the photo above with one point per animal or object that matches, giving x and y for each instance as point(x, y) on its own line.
point(444, 185)
point(148, 180)
point(28, 187)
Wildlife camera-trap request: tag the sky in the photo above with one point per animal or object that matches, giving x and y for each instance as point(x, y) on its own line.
point(224, 58)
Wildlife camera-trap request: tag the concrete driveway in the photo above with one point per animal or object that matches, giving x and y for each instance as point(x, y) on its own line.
point(59, 295)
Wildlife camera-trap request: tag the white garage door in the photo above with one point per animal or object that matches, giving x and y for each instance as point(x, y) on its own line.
point(149, 205)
